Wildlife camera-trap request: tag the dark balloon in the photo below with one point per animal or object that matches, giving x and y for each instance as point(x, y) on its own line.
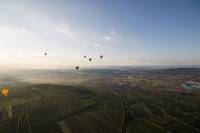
point(45, 54)
point(90, 59)
point(101, 56)
point(84, 56)
point(77, 67)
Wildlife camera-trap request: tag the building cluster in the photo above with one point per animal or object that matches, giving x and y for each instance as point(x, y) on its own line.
point(115, 87)
point(126, 76)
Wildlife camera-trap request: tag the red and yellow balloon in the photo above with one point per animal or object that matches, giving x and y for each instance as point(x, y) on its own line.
point(5, 92)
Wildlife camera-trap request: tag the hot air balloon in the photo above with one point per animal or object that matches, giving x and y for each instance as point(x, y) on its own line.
point(77, 67)
point(5, 92)
point(90, 59)
point(101, 56)
point(84, 56)
point(45, 54)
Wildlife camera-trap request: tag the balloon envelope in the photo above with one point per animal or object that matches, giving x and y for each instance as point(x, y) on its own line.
point(5, 92)
point(77, 67)
point(45, 54)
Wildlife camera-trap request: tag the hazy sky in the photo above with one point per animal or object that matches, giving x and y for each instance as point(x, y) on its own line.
point(125, 32)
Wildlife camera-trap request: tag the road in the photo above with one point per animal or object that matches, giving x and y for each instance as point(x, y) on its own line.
point(153, 123)
point(176, 118)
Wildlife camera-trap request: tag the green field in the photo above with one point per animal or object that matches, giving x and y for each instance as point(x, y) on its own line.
point(97, 105)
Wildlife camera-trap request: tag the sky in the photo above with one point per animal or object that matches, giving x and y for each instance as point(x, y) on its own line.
point(125, 32)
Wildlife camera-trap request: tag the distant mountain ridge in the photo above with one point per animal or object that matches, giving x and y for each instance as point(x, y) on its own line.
point(183, 69)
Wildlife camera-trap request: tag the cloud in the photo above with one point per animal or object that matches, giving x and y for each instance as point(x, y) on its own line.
point(108, 47)
point(127, 58)
point(76, 57)
point(8, 30)
point(131, 58)
point(34, 22)
point(46, 25)
point(150, 60)
point(65, 30)
point(34, 55)
point(139, 59)
point(10, 54)
point(113, 36)
point(97, 45)
point(85, 47)
point(107, 38)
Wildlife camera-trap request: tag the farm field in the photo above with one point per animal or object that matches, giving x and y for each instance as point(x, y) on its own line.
point(99, 100)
